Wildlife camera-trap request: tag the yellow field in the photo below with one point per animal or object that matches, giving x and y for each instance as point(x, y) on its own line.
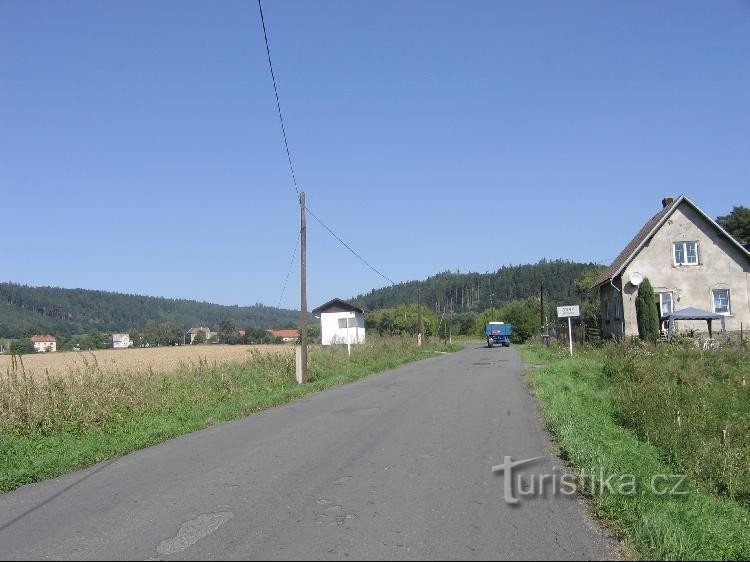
point(158, 359)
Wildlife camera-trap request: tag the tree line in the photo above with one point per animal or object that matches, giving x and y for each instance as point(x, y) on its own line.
point(80, 311)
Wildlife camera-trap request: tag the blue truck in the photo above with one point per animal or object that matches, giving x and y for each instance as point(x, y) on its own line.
point(498, 333)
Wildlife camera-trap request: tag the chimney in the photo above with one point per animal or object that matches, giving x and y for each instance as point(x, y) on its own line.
point(666, 202)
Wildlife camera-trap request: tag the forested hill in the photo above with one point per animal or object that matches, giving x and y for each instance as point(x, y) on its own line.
point(77, 311)
point(467, 292)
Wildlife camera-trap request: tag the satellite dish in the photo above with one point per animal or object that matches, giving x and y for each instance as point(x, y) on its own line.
point(636, 278)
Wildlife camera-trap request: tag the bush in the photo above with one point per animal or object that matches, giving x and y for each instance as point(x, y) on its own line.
point(23, 346)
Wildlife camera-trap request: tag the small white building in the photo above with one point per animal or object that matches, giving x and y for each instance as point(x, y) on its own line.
point(121, 341)
point(44, 344)
point(340, 323)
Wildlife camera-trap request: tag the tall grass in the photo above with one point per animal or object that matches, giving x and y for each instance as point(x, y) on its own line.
point(52, 425)
point(615, 409)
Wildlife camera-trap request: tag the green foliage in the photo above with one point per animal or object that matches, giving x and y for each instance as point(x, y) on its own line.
point(683, 399)
point(95, 340)
point(200, 338)
point(588, 297)
point(582, 406)
point(227, 328)
point(313, 334)
point(48, 310)
point(737, 223)
point(646, 312)
point(475, 292)
point(23, 346)
point(402, 320)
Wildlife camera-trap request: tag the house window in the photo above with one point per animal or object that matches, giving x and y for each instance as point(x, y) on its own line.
point(666, 304)
point(342, 323)
point(686, 253)
point(721, 301)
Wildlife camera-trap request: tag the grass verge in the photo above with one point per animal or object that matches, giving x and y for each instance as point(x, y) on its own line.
point(61, 424)
point(576, 399)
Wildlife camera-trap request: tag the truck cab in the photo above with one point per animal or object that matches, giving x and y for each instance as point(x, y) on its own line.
point(498, 333)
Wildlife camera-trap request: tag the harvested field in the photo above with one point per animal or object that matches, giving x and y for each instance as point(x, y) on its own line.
point(158, 359)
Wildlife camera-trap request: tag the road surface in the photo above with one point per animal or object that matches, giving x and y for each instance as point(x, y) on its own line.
point(395, 466)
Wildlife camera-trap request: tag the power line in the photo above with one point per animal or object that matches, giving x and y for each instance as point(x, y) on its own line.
point(278, 104)
point(289, 271)
point(291, 169)
point(359, 257)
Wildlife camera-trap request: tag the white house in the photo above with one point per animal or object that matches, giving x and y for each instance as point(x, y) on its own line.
point(193, 332)
point(44, 343)
point(340, 322)
point(121, 341)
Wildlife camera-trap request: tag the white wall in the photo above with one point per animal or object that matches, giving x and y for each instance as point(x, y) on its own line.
point(331, 334)
point(121, 343)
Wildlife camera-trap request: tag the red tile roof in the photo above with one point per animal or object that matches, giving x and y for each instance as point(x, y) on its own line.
point(284, 333)
point(43, 339)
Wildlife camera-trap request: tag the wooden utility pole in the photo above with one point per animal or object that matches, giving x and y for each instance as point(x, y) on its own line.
point(419, 318)
point(302, 355)
point(541, 307)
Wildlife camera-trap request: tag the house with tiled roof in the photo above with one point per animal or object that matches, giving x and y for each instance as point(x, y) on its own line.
point(192, 333)
point(44, 343)
point(287, 336)
point(690, 261)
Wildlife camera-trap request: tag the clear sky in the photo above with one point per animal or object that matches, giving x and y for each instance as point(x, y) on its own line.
point(140, 149)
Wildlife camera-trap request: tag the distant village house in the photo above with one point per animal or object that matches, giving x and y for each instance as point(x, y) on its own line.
point(193, 333)
point(341, 322)
point(691, 262)
point(287, 336)
point(44, 344)
point(120, 341)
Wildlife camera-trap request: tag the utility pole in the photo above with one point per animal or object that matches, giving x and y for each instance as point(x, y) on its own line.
point(302, 351)
point(419, 318)
point(541, 306)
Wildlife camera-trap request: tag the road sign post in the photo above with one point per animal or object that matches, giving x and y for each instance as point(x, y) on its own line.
point(569, 312)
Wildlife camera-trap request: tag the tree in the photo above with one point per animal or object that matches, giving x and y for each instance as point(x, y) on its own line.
point(31, 330)
point(199, 338)
point(737, 223)
point(646, 312)
point(588, 297)
point(227, 328)
point(22, 347)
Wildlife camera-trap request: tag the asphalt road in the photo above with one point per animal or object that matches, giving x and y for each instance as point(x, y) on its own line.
point(396, 466)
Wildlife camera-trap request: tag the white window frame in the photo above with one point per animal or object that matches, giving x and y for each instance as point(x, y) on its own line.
point(683, 244)
point(661, 301)
point(729, 302)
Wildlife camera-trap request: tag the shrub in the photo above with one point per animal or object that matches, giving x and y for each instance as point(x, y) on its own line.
point(646, 312)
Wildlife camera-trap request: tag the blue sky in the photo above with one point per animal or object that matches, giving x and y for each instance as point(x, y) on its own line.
point(140, 149)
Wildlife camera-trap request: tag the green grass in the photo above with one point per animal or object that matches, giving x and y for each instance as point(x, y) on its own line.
point(579, 402)
point(59, 425)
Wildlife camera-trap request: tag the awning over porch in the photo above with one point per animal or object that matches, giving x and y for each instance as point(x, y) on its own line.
point(693, 314)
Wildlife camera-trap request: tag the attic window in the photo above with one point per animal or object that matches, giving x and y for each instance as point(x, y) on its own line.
point(685, 253)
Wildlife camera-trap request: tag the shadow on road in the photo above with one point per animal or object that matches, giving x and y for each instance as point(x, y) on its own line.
point(56, 495)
